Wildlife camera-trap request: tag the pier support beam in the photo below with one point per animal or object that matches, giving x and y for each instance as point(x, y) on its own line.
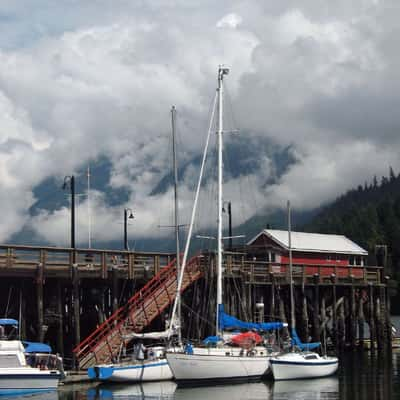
point(39, 303)
point(361, 320)
point(387, 315)
point(60, 319)
point(272, 312)
point(341, 330)
point(304, 314)
point(76, 304)
point(353, 320)
point(371, 318)
point(22, 307)
point(114, 289)
point(334, 312)
point(316, 324)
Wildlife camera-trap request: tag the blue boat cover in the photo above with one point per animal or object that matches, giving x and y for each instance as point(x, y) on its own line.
point(8, 321)
point(303, 346)
point(33, 347)
point(226, 321)
point(212, 340)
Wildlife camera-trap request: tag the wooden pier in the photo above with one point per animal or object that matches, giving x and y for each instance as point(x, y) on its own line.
point(61, 295)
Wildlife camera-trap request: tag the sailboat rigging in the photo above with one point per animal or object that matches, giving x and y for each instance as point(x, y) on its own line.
point(155, 367)
point(221, 362)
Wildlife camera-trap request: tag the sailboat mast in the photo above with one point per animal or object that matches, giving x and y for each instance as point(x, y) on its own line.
point(292, 316)
point(221, 72)
point(178, 268)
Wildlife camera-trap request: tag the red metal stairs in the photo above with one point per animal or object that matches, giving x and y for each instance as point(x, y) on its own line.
point(105, 342)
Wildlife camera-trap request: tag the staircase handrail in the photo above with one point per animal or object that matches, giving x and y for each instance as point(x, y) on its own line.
point(118, 318)
point(137, 297)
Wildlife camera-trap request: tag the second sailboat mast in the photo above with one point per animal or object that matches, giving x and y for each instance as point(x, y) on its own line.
point(176, 217)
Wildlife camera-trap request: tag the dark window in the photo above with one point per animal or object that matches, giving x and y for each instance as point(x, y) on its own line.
point(273, 257)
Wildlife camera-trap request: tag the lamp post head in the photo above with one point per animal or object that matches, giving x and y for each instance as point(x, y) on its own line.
point(67, 181)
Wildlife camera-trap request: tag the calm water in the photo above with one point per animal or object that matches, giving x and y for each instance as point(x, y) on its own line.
point(361, 377)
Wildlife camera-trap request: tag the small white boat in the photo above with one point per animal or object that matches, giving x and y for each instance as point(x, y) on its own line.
point(17, 377)
point(302, 365)
point(133, 370)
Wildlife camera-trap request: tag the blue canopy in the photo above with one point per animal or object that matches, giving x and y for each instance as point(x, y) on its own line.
point(303, 346)
point(228, 322)
point(33, 347)
point(212, 340)
point(8, 321)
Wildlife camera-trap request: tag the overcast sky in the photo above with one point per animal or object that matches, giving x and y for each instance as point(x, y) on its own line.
point(81, 79)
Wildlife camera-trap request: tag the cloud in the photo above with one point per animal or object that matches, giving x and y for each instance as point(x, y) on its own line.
point(83, 81)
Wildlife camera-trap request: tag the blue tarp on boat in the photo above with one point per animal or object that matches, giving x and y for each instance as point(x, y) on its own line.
point(8, 321)
point(212, 340)
point(228, 322)
point(35, 347)
point(303, 346)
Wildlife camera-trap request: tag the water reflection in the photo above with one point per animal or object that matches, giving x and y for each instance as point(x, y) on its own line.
point(360, 377)
point(320, 389)
point(363, 377)
point(150, 390)
point(310, 389)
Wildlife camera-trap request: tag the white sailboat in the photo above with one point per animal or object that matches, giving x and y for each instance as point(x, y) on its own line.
point(220, 363)
point(155, 367)
point(297, 364)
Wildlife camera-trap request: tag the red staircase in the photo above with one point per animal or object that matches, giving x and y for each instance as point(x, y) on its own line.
point(105, 343)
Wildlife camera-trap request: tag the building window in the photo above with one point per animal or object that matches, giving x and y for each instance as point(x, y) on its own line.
point(273, 257)
point(351, 260)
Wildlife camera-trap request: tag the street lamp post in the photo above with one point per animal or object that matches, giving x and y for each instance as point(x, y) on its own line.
point(126, 210)
point(70, 181)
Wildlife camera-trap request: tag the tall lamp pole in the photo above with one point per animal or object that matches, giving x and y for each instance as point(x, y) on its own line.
point(126, 211)
point(70, 181)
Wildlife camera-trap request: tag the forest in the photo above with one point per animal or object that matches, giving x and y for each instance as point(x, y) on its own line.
point(370, 216)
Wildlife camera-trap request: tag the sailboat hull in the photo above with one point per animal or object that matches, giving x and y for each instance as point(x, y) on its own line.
point(148, 371)
point(197, 368)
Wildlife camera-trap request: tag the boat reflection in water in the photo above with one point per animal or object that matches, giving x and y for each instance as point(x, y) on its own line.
point(310, 389)
point(147, 390)
point(324, 388)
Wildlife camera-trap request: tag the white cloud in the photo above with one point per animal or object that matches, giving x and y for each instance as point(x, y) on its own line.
point(231, 20)
point(79, 81)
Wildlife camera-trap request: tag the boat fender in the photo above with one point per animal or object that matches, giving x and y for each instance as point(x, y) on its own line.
point(189, 349)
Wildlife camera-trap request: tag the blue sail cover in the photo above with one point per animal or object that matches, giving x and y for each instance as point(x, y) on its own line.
point(8, 321)
point(226, 321)
point(303, 346)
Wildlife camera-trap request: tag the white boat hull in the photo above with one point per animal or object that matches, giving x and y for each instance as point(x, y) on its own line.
point(148, 371)
point(294, 366)
point(27, 380)
point(211, 367)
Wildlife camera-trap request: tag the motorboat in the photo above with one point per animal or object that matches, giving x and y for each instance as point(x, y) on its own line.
point(22, 368)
